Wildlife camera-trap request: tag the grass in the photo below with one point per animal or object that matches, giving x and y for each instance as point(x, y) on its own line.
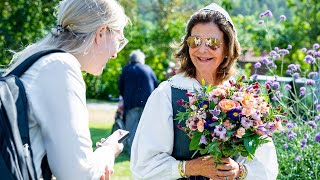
point(122, 163)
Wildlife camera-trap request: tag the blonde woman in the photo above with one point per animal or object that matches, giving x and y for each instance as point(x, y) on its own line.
point(91, 33)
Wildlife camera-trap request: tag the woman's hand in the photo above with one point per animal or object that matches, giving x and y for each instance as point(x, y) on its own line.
point(204, 166)
point(112, 141)
point(107, 174)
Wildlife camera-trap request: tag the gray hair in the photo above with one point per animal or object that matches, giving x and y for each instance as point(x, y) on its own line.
point(77, 22)
point(137, 56)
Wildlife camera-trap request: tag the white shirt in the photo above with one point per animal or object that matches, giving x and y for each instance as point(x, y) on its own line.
point(58, 119)
point(153, 143)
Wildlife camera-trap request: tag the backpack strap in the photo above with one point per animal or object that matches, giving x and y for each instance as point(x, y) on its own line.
point(23, 124)
point(21, 68)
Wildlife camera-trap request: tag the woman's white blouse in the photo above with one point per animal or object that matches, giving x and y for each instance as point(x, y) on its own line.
point(153, 143)
point(58, 119)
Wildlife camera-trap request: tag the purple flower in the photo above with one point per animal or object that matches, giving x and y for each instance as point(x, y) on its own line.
point(276, 85)
point(257, 65)
point(278, 94)
point(265, 61)
point(317, 117)
point(261, 15)
point(283, 51)
point(291, 135)
point(318, 107)
point(312, 74)
point(286, 146)
point(296, 75)
point(304, 49)
point(288, 86)
point(246, 123)
point(310, 52)
point(302, 91)
point(317, 54)
point(272, 53)
point(290, 125)
point(283, 17)
point(306, 136)
point(303, 143)
point(261, 21)
point(312, 124)
point(234, 114)
point(204, 104)
point(203, 140)
point(316, 46)
point(317, 138)
point(310, 82)
point(297, 158)
point(209, 125)
point(268, 13)
point(277, 56)
point(289, 71)
point(289, 46)
point(293, 67)
point(276, 48)
point(215, 111)
point(221, 132)
point(309, 59)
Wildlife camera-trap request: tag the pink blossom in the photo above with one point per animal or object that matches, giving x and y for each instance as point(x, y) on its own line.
point(240, 132)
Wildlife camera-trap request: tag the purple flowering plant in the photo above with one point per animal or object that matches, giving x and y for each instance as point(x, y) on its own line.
point(230, 119)
point(298, 97)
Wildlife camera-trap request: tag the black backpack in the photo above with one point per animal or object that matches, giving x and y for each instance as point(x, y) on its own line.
point(16, 154)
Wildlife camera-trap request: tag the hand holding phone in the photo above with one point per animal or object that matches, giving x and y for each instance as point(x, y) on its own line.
point(124, 135)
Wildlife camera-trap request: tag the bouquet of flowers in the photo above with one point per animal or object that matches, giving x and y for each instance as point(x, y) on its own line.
point(229, 120)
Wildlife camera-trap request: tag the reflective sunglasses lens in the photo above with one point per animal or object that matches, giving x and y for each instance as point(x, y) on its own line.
point(213, 43)
point(193, 42)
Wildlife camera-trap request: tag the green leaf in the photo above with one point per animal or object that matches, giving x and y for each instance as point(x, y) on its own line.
point(195, 141)
point(203, 82)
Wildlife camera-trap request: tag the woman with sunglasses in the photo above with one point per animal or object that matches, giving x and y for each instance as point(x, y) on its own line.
point(160, 149)
point(90, 32)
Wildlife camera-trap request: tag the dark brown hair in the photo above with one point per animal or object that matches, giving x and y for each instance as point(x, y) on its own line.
point(225, 69)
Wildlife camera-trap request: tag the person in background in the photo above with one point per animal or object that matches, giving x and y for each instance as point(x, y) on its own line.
point(136, 83)
point(160, 149)
point(90, 33)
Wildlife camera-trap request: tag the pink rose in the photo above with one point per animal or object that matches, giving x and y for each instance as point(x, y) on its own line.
point(226, 105)
point(240, 132)
point(246, 111)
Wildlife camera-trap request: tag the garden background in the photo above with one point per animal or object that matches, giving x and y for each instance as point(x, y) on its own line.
point(156, 25)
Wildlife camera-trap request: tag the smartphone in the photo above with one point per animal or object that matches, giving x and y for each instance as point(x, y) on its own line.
point(124, 136)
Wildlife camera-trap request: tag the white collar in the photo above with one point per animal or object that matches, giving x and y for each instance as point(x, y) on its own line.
point(183, 82)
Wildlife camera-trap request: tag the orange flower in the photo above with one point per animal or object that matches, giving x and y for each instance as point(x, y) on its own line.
point(248, 101)
point(227, 104)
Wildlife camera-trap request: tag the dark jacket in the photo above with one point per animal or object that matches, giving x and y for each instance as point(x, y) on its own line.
point(136, 83)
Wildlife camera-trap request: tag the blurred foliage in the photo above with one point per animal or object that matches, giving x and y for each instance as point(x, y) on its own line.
point(23, 22)
point(158, 24)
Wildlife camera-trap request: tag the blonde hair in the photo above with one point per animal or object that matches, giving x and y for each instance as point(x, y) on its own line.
point(77, 22)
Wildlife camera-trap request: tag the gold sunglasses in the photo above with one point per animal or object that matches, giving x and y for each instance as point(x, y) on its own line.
point(195, 41)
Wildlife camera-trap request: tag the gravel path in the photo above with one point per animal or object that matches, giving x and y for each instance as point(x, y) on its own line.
point(102, 112)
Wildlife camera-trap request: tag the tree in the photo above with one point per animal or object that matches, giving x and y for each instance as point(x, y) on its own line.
point(23, 22)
